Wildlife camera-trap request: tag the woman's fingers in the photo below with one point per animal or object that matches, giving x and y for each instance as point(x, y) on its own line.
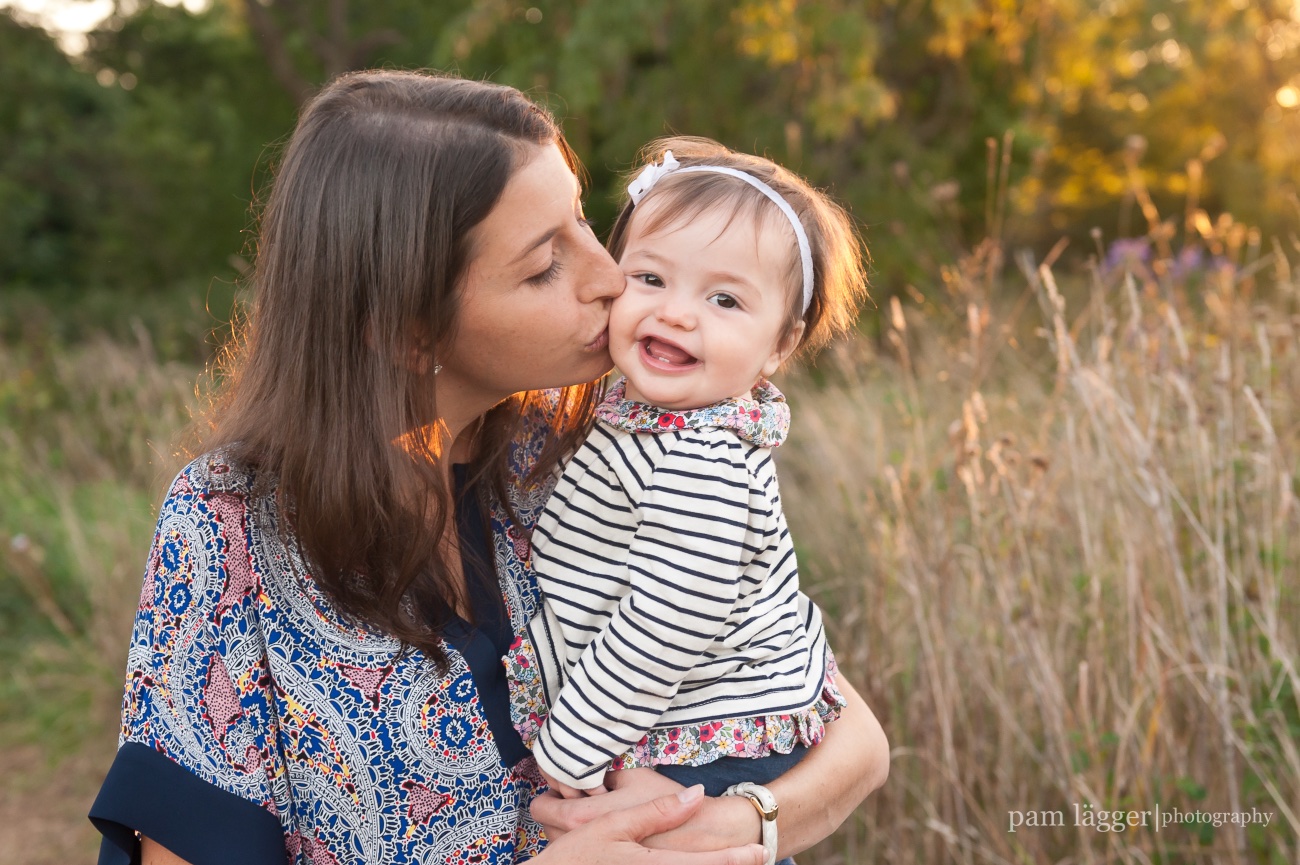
point(659, 815)
point(669, 812)
point(559, 815)
point(611, 839)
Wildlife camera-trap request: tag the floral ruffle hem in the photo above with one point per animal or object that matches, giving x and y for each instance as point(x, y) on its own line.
point(693, 745)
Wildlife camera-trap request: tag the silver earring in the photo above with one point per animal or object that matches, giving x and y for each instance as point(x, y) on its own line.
point(437, 368)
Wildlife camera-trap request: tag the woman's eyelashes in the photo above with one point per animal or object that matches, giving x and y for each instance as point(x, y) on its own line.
point(546, 277)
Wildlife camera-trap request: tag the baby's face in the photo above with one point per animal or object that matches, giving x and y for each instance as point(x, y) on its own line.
point(702, 315)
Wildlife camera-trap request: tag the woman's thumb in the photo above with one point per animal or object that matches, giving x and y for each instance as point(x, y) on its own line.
point(662, 814)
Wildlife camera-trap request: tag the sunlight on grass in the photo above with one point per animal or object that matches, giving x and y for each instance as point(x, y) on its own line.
point(1068, 572)
point(1052, 517)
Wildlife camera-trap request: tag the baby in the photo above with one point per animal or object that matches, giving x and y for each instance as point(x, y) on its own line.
point(674, 633)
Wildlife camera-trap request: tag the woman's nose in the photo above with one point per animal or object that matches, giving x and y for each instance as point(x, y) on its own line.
point(601, 279)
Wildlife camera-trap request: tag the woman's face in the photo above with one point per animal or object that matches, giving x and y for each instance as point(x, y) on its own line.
point(536, 296)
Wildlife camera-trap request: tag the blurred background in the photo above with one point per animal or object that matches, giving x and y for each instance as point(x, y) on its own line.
point(1048, 495)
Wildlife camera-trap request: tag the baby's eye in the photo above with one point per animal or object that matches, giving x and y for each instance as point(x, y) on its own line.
point(724, 300)
point(651, 279)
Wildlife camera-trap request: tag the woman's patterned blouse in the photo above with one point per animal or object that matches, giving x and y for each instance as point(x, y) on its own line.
point(252, 706)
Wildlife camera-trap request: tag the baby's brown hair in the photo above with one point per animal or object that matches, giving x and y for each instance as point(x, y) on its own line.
point(838, 255)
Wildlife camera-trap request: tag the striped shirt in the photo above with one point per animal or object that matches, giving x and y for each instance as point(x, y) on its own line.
point(672, 593)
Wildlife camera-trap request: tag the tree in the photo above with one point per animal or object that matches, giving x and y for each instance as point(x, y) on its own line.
point(896, 105)
point(53, 119)
point(192, 146)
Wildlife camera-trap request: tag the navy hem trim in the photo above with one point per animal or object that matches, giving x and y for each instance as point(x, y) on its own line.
point(147, 792)
point(483, 646)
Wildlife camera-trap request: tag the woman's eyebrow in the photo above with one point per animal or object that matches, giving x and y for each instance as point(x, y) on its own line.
point(543, 239)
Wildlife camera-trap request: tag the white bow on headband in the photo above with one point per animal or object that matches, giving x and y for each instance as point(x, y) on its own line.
point(650, 175)
point(653, 173)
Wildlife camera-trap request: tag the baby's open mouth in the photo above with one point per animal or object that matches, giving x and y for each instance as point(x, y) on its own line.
point(666, 353)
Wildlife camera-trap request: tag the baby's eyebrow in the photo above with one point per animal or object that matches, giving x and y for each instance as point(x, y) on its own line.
point(728, 277)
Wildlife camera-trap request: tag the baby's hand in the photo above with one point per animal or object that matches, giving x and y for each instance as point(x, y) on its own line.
point(567, 792)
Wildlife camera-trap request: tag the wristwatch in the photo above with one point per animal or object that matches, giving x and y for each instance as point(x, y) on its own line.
point(765, 803)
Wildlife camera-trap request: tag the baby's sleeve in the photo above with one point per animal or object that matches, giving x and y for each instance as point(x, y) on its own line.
point(195, 765)
point(685, 565)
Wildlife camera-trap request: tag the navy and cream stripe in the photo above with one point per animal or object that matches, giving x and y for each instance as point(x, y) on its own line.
point(672, 596)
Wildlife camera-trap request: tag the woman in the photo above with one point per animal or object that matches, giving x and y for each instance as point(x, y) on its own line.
point(315, 667)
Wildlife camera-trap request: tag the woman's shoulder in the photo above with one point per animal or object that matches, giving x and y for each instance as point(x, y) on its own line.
point(216, 506)
point(219, 472)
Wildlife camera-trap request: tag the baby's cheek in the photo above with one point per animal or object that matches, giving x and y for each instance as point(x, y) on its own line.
point(622, 322)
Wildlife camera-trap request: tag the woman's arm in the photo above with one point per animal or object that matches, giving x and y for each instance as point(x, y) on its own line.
point(814, 797)
point(610, 840)
point(820, 793)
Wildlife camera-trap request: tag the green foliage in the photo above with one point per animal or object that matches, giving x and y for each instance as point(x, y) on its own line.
point(53, 119)
point(85, 446)
point(188, 154)
point(902, 108)
point(938, 123)
point(133, 167)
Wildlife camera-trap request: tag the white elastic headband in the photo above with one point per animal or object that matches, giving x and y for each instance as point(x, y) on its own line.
point(653, 173)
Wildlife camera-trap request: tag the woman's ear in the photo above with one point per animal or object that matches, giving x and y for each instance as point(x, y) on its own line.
point(785, 347)
point(420, 357)
point(417, 353)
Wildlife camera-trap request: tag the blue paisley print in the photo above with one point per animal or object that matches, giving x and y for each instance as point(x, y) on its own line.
point(242, 672)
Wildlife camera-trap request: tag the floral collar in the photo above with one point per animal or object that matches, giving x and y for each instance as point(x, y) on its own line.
point(763, 419)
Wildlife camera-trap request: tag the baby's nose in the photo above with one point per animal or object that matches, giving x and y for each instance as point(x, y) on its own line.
point(676, 311)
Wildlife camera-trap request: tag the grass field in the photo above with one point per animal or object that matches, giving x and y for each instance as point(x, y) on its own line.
point(1057, 537)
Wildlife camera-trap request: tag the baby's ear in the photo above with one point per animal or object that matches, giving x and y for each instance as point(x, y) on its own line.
point(784, 348)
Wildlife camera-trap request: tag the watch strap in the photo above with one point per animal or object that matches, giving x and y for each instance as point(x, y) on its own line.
point(765, 804)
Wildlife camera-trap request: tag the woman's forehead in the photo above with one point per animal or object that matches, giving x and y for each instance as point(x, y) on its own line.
point(539, 199)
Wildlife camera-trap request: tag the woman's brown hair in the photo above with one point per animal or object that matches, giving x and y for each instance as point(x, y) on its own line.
point(363, 245)
point(839, 258)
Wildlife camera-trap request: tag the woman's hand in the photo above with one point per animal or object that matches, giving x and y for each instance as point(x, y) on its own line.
point(814, 797)
point(627, 788)
point(614, 837)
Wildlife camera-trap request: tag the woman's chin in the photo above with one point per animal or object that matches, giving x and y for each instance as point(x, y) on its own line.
point(594, 366)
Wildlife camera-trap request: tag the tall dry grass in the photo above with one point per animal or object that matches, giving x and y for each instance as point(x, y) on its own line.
point(1063, 561)
point(1056, 538)
point(85, 443)
point(85, 452)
